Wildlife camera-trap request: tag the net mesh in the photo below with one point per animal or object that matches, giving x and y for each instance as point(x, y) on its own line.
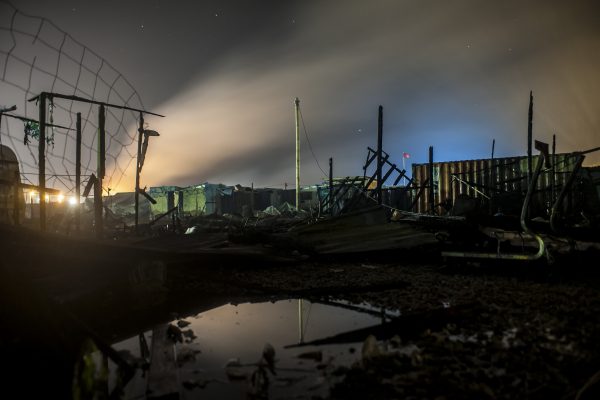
point(37, 56)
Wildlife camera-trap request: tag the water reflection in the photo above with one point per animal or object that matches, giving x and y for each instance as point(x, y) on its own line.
point(225, 350)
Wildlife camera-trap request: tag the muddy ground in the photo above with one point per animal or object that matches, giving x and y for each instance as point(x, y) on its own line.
point(467, 330)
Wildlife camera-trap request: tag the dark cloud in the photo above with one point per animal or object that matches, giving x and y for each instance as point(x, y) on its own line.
point(450, 74)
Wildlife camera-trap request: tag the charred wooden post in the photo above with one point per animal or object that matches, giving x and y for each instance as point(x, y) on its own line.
point(78, 173)
point(252, 198)
point(98, 208)
point(553, 172)
point(492, 177)
point(330, 186)
point(530, 138)
point(379, 150)
point(137, 171)
point(431, 182)
point(42, 161)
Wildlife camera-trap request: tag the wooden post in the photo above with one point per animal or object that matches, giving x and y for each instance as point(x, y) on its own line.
point(553, 172)
point(252, 199)
point(42, 161)
point(98, 209)
point(78, 174)
point(331, 186)
point(530, 138)
point(297, 109)
point(379, 152)
point(431, 182)
point(492, 175)
point(137, 171)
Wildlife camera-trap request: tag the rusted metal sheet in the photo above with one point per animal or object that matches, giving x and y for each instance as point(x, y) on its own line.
point(487, 179)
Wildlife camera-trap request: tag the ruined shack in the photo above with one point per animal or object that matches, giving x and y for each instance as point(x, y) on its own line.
point(498, 185)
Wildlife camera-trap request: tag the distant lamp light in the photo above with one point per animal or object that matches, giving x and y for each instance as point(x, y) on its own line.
point(47, 198)
point(72, 200)
point(60, 198)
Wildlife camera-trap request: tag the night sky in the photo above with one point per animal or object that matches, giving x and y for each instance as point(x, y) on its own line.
point(452, 74)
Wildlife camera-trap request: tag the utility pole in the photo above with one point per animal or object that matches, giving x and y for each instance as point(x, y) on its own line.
point(297, 102)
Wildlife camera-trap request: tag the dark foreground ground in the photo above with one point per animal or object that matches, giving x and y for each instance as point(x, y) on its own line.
point(466, 330)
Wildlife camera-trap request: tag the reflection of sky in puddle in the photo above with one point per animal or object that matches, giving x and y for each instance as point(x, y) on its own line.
point(241, 331)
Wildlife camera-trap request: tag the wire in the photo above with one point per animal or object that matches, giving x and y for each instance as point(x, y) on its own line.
point(308, 141)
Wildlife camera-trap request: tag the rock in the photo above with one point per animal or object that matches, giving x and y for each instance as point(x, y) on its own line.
point(174, 333)
point(182, 323)
point(370, 348)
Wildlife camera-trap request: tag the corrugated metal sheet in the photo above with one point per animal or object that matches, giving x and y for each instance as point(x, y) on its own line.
point(487, 178)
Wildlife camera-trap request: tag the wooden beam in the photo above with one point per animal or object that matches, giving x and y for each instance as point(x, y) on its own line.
point(98, 209)
point(42, 162)
point(78, 173)
point(84, 100)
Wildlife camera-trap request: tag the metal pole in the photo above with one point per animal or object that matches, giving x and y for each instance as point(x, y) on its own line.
point(530, 138)
point(98, 209)
point(493, 147)
point(78, 174)
point(297, 102)
point(137, 171)
point(431, 194)
point(42, 161)
point(379, 152)
point(330, 185)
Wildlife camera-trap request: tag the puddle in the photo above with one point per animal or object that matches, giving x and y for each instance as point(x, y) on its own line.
point(236, 335)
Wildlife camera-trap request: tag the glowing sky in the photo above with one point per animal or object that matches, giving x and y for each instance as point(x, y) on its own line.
point(452, 74)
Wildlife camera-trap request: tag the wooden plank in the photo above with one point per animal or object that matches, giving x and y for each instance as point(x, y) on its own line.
point(163, 376)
